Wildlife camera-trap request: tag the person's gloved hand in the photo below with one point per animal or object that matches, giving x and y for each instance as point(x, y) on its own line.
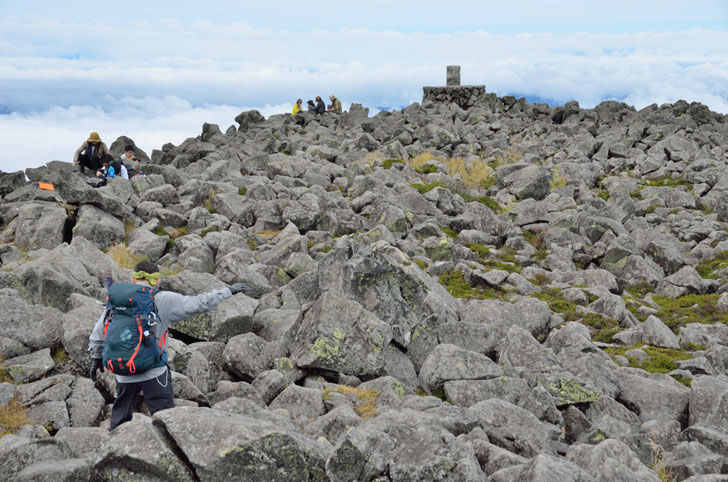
point(239, 288)
point(96, 364)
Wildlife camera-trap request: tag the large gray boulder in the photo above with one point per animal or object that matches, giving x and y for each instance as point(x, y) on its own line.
point(514, 428)
point(137, 451)
point(40, 225)
point(97, 226)
point(400, 296)
point(449, 362)
point(221, 445)
point(232, 317)
point(340, 335)
point(653, 398)
point(34, 326)
point(406, 445)
point(529, 182)
point(51, 279)
point(18, 452)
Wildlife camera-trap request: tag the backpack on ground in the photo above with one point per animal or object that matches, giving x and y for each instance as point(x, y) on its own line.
point(130, 346)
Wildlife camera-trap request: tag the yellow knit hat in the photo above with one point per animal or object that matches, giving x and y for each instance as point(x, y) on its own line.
point(94, 137)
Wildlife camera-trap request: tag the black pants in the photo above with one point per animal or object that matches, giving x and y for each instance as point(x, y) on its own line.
point(158, 394)
point(93, 163)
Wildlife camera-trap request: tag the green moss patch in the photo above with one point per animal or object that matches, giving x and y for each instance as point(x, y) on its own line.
point(425, 188)
point(658, 360)
point(602, 328)
point(449, 232)
point(426, 169)
point(388, 163)
point(678, 312)
point(556, 301)
point(707, 268)
point(486, 201)
point(454, 282)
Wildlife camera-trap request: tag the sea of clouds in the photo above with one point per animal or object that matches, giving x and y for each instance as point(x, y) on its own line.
point(158, 82)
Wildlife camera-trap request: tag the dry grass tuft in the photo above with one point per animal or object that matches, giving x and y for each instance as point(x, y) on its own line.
point(367, 399)
point(658, 461)
point(60, 355)
point(13, 416)
point(268, 233)
point(372, 157)
point(124, 256)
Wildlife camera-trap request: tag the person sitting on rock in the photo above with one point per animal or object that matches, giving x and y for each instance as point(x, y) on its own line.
point(335, 106)
point(320, 106)
point(89, 155)
point(311, 106)
point(106, 171)
point(129, 172)
point(298, 108)
point(297, 113)
point(156, 383)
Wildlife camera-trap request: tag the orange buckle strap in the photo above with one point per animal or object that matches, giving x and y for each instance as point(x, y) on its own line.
point(130, 363)
point(110, 366)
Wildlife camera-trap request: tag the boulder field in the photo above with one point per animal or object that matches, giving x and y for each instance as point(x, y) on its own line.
point(512, 292)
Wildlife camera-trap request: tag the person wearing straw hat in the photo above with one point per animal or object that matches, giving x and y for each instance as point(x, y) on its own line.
point(89, 154)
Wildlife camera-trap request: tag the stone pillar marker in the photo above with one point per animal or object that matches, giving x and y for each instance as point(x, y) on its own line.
point(453, 75)
point(465, 96)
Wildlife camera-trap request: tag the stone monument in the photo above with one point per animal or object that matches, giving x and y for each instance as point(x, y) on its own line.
point(463, 95)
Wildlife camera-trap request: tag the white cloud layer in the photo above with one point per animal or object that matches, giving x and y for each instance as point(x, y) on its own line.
point(157, 81)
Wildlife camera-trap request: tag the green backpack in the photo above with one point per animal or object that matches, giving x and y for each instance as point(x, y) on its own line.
point(130, 347)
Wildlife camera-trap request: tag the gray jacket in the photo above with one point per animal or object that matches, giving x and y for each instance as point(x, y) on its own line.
point(172, 308)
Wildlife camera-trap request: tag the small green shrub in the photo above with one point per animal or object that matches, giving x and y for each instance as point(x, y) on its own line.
point(242, 191)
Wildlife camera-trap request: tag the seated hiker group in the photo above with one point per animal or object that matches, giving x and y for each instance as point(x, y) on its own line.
point(317, 108)
point(95, 156)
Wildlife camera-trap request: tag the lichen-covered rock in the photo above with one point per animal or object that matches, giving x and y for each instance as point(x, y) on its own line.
point(338, 334)
point(221, 446)
point(31, 367)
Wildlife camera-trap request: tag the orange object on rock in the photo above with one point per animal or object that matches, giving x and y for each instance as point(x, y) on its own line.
point(46, 186)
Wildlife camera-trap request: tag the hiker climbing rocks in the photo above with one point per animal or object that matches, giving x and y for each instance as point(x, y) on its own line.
point(89, 154)
point(130, 338)
point(335, 106)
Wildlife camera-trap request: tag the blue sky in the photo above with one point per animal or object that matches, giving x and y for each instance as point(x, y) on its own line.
point(156, 70)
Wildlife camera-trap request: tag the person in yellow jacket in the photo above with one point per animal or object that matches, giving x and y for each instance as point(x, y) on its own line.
point(298, 107)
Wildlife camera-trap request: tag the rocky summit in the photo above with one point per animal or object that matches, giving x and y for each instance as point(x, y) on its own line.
point(503, 292)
